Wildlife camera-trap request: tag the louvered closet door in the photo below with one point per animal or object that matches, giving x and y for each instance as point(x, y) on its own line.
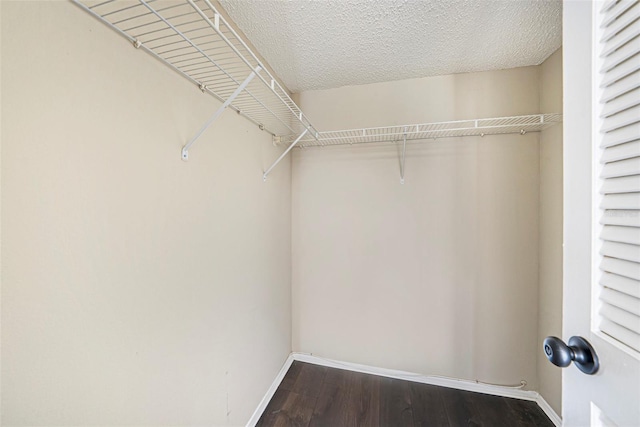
point(619, 122)
point(601, 286)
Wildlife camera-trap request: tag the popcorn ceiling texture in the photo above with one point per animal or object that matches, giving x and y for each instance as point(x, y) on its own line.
point(331, 43)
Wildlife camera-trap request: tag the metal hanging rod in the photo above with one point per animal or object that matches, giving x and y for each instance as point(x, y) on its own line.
point(193, 38)
point(429, 131)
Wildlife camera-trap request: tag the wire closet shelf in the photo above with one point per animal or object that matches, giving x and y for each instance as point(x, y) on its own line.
point(194, 39)
point(430, 131)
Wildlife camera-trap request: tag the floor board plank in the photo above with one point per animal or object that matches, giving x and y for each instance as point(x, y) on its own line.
point(492, 410)
point(309, 380)
point(291, 409)
point(459, 407)
point(291, 376)
point(427, 405)
point(395, 403)
point(333, 400)
point(268, 417)
point(364, 400)
point(528, 413)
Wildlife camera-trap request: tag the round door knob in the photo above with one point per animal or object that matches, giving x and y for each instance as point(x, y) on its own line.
point(579, 351)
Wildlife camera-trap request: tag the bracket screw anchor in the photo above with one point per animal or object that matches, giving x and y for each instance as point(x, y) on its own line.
point(137, 44)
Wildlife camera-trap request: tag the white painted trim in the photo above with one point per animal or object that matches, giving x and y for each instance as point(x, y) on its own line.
point(553, 416)
point(435, 380)
point(270, 392)
point(425, 379)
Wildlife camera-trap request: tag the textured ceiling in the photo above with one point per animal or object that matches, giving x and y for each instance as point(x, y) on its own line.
point(320, 44)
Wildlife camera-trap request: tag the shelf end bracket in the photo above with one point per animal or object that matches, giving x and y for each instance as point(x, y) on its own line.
point(219, 111)
point(293, 144)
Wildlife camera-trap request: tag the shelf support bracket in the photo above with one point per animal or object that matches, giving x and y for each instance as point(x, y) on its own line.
point(268, 171)
point(404, 148)
point(185, 149)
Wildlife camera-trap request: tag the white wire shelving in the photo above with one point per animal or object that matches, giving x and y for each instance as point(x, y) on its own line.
point(425, 132)
point(429, 131)
point(194, 39)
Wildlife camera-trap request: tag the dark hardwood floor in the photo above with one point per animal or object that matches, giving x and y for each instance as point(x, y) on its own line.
point(313, 395)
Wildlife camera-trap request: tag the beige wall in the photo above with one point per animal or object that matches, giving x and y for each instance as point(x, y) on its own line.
point(1, 317)
point(137, 289)
point(550, 249)
point(436, 276)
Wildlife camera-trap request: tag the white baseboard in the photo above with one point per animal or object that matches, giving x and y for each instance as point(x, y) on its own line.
point(425, 379)
point(270, 392)
point(407, 376)
point(553, 416)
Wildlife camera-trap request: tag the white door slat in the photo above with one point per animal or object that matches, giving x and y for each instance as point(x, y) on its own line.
point(621, 251)
point(623, 70)
point(620, 136)
point(621, 103)
point(614, 10)
point(621, 284)
point(625, 201)
point(621, 317)
point(629, 218)
point(621, 87)
point(621, 152)
point(628, 33)
point(621, 168)
point(625, 184)
point(621, 267)
point(620, 333)
point(630, 15)
point(616, 233)
point(607, 5)
point(625, 118)
point(623, 53)
point(621, 300)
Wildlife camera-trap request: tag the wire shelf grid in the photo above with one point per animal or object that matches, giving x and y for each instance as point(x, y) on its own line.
point(430, 131)
point(194, 39)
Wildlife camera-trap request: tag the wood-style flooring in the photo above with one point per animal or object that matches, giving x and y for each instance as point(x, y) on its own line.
point(313, 395)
